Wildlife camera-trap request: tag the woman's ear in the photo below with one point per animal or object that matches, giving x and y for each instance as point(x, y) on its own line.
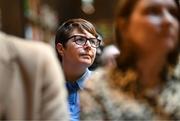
point(60, 49)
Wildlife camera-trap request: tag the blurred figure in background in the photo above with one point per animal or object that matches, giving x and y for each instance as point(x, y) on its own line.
point(141, 86)
point(31, 81)
point(109, 54)
point(76, 42)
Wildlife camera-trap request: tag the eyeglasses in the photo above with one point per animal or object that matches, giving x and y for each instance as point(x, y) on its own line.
point(82, 40)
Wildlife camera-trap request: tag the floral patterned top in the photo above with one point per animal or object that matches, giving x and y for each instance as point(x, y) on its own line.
point(101, 100)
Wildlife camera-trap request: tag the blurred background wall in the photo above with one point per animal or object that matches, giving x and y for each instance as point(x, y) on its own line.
point(39, 19)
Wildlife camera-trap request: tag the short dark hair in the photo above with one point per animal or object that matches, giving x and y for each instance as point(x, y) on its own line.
point(65, 30)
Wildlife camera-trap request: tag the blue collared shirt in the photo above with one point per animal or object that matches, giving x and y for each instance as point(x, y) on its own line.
point(73, 96)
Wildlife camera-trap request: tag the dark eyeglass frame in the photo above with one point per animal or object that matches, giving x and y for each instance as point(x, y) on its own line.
point(82, 43)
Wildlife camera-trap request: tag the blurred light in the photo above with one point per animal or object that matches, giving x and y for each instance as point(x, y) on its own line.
point(87, 1)
point(87, 6)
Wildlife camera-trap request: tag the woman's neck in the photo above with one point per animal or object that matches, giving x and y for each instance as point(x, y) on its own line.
point(149, 68)
point(72, 73)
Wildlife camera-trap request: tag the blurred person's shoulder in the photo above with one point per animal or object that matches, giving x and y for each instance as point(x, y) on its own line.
point(13, 46)
point(93, 89)
point(32, 56)
point(177, 70)
point(98, 78)
point(170, 96)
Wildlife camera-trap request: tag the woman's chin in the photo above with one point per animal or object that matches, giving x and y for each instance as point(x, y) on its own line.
point(170, 46)
point(86, 62)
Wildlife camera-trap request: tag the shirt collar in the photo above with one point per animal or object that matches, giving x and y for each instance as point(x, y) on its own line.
point(83, 78)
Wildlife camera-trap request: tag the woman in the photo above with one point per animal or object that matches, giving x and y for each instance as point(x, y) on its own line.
point(142, 86)
point(76, 43)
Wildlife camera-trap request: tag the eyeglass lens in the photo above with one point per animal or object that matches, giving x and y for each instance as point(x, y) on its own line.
point(80, 40)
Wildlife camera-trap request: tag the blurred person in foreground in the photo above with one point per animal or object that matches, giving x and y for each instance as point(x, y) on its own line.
point(76, 42)
point(31, 81)
point(142, 85)
point(177, 71)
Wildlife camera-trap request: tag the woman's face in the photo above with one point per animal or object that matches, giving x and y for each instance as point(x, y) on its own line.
point(153, 25)
point(79, 55)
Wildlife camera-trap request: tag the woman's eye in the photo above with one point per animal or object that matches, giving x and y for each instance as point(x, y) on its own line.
point(93, 41)
point(80, 39)
point(153, 11)
point(174, 12)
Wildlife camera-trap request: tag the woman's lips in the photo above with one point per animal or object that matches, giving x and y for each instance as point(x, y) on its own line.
point(86, 55)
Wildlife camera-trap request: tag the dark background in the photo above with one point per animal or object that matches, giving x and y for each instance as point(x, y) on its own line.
point(13, 19)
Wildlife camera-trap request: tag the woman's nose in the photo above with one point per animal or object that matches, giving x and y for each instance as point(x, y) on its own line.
point(87, 43)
